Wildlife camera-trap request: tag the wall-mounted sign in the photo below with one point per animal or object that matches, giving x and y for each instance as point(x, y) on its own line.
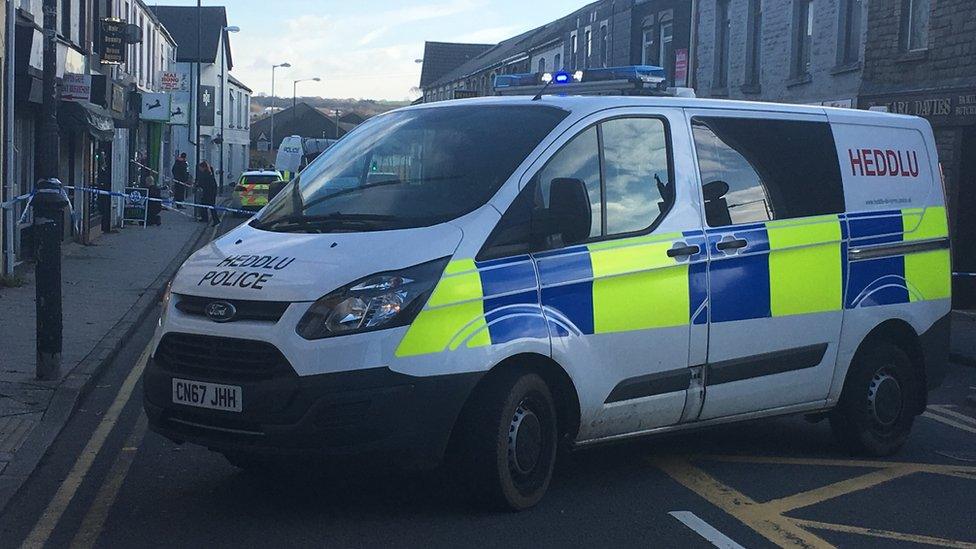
point(76, 87)
point(155, 106)
point(175, 81)
point(681, 67)
point(206, 102)
point(113, 45)
point(179, 112)
point(118, 98)
point(941, 107)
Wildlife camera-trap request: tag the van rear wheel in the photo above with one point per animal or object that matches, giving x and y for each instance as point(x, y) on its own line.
point(877, 406)
point(507, 440)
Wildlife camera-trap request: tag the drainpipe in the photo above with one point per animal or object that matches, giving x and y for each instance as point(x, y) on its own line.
point(9, 224)
point(693, 47)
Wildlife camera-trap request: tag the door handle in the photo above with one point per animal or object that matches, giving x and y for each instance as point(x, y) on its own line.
point(683, 251)
point(733, 244)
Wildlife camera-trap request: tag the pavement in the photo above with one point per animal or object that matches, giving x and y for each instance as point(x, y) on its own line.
point(108, 289)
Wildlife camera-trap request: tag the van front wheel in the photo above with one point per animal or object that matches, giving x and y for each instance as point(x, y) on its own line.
point(876, 408)
point(507, 440)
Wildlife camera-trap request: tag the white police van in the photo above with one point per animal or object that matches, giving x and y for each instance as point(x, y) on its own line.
point(489, 279)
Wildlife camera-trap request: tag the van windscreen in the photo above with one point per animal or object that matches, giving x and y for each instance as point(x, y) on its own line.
point(411, 168)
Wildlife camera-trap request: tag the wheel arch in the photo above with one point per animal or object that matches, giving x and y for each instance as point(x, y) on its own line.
point(901, 334)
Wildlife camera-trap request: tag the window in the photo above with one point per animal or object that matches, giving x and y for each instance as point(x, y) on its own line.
point(578, 159)
point(803, 37)
point(66, 19)
point(849, 48)
point(723, 23)
point(588, 44)
point(542, 64)
point(754, 43)
point(629, 185)
point(916, 24)
point(666, 46)
point(604, 46)
point(647, 50)
point(754, 170)
point(574, 42)
point(557, 62)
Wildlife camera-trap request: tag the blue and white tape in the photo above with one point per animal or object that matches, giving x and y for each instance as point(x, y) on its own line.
point(169, 202)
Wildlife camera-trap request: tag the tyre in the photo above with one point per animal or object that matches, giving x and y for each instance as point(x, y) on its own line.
point(877, 406)
point(506, 441)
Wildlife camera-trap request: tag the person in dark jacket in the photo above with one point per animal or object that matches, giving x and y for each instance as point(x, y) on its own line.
point(153, 208)
point(181, 176)
point(207, 184)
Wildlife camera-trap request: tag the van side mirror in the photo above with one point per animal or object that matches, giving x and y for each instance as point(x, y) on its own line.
point(568, 216)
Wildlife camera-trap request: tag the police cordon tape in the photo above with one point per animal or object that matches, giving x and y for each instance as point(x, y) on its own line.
point(136, 197)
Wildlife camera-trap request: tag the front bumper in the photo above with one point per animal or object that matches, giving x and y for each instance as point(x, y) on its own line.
point(373, 413)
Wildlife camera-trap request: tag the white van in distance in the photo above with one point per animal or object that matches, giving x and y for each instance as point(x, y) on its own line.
point(492, 278)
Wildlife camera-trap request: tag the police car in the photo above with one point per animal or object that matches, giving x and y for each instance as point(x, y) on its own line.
point(489, 279)
point(253, 189)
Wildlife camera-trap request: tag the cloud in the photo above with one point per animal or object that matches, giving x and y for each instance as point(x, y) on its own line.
point(491, 35)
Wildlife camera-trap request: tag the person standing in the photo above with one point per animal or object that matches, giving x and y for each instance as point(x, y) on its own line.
point(153, 207)
point(181, 178)
point(207, 184)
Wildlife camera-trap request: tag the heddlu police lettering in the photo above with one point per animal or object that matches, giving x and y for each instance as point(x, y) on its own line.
point(879, 163)
point(253, 278)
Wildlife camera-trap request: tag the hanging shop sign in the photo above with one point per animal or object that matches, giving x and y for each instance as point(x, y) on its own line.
point(155, 107)
point(76, 87)
point(113, 45)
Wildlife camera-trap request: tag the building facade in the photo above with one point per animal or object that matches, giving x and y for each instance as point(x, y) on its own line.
point(791, 51)
point(921, 60)
point(215, 92)
point(606, 33)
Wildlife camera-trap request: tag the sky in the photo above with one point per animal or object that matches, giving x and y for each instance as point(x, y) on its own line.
point(366, 48)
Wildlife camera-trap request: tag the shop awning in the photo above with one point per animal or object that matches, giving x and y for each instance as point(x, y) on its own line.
point(87, 117)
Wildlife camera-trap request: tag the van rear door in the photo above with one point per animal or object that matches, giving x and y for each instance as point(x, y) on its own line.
point(773, 201)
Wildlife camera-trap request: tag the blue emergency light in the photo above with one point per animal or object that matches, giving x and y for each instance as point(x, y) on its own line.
point(633, 73)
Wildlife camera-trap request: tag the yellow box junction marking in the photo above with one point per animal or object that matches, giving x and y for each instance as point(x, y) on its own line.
point(769, 520)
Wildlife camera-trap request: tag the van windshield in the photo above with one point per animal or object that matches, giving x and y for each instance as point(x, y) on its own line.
point(411, 168)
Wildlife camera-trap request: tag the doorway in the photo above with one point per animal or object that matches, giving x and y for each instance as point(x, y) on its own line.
point(964, 245)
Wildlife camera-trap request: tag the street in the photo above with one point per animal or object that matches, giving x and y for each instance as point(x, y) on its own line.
point(107, 482)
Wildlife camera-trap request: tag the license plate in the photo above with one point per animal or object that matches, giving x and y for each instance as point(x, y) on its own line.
point(214, 396)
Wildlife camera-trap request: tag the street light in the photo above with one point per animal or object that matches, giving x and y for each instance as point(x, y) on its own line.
point(274, 100)
point(294, 88)
point(223, 79)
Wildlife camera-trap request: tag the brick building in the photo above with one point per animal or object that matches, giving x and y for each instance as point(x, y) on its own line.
point(921, 60)
point(602, 34)
point(791, 51)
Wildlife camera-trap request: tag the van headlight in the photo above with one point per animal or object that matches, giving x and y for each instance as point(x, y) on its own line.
point(380, 301)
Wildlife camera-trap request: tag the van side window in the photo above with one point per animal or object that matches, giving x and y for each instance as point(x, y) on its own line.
point(578, 159)
point(755, 170)
point(639, 189)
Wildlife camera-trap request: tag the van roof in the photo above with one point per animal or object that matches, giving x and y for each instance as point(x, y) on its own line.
point(587, 104)
point(261, 172)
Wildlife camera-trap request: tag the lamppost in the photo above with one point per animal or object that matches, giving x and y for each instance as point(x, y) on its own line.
point(294, 88)
point(223, 79)
point(274, 100)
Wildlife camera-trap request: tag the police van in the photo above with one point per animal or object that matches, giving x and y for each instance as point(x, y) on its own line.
point(485, 281)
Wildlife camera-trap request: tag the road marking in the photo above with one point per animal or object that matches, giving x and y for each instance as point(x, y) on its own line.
point(705, 530)
point(94, 521)
point(952, 413)
point(66, 492)
point(764, 520)
point(922, 467)
point(949, 422)
point(911, 538)
point(837, 489)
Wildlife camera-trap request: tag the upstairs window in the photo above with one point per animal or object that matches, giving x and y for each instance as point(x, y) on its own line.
point(802, 37)
point(916, 26)
point(850, 36)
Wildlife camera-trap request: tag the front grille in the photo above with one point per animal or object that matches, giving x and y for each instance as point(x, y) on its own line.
point(266, 311)
point(221, 358)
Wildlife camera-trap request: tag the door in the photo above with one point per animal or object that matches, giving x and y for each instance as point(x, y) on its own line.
point(615, 284)
point(772, 193)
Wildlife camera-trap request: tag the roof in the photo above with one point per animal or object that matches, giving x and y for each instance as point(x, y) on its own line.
point(442, 57)
point(511, 47)
point(261, 172)
point(582, 106)
point(352, 117)
point(182, 23)
point(233, 80)
point(303, 120)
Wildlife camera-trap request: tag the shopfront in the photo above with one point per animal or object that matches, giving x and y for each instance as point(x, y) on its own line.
point(952, 113)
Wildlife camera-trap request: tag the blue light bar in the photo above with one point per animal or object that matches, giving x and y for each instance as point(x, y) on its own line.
point(634, 73)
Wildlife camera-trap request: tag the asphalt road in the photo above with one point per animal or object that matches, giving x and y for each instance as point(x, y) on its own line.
point(107, 482)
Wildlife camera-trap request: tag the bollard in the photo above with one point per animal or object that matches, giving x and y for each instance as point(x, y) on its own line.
point(48, 204)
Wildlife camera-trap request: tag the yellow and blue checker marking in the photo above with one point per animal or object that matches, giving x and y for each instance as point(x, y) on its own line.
point(789, 267)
